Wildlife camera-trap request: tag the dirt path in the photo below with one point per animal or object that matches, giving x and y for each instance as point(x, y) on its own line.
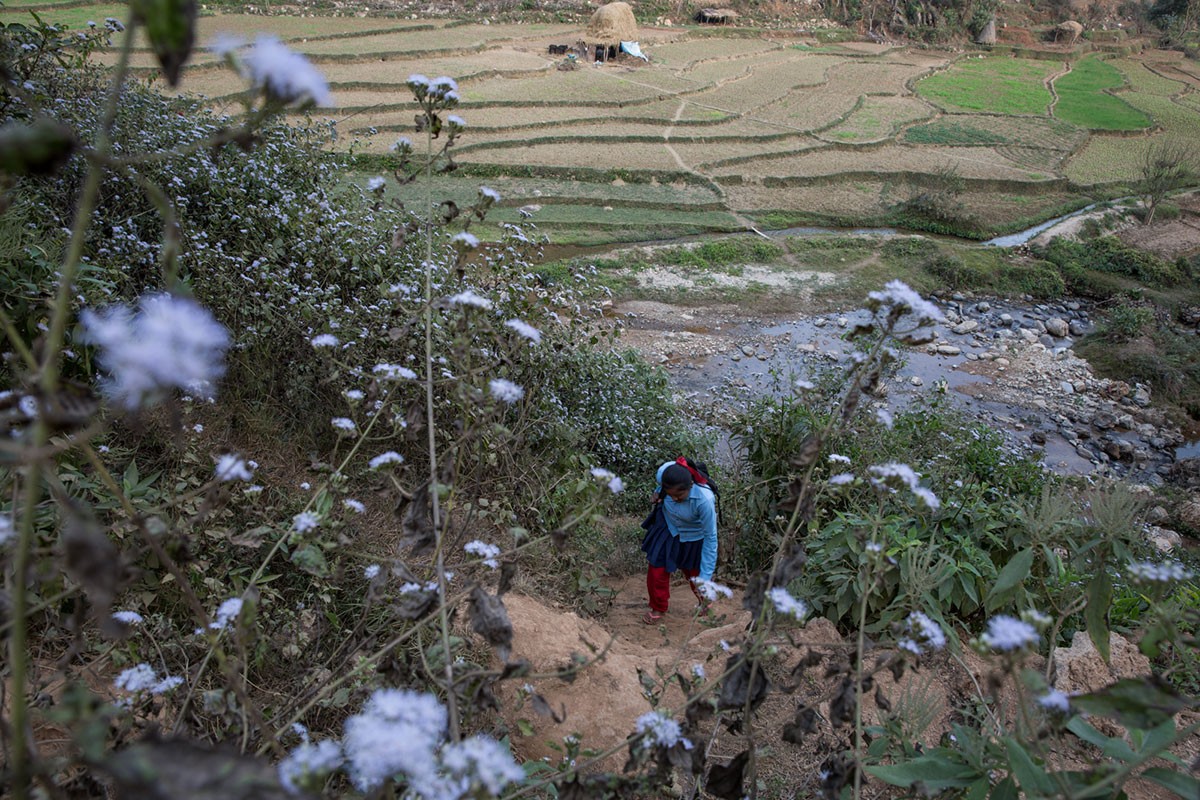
point(1049, 82)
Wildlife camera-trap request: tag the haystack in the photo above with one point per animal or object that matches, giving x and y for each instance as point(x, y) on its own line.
point(612, 24)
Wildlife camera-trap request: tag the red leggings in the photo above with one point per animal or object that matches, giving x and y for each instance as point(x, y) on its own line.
point(658, 586)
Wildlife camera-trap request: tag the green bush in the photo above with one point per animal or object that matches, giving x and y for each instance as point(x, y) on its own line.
point(1128, 322)
point(953, 556)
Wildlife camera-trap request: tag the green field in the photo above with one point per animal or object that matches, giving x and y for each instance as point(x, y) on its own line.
point(996, 84)
point(1083, 98)
point(714, 129)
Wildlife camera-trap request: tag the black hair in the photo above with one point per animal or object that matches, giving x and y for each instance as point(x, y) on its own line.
point(676, 477)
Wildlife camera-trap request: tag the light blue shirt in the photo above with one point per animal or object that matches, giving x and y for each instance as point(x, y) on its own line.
point(692, 520)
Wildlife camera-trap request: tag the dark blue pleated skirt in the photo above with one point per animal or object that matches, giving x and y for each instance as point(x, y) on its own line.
point(666, 551)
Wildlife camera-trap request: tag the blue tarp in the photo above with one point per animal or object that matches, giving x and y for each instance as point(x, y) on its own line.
point(634, 50)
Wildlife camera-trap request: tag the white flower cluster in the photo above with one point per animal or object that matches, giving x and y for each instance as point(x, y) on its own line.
point(305, 521)
point(401, 732)
point(921, 632)
point(469, 298)
point(284, 75)
point(7, 531)
point(506, 391)
point(143, 679)
point(169, 343)
point(128, 617)
point(383, 459)
point(615, 484)
point(525, 329)
point(464, 241)
point(397, 731)
point(309, 764)
point(900, 299)
point(479, 762)
point(370, 571)
point(711, 590)
point(393, 372)
point(659, 730)
point(232, 467)
point(324, 340)
point(787, 605)
point(227, 613)
point(893, 476)
point(1055, 700)
point(1005, 634)
point(1164, 572)
point(485, 551)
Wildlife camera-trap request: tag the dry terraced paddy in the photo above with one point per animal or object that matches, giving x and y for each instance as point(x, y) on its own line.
point(840, 125)
point(684, 55)
point(969, 162)
point(878, 119)
point(1106, 159)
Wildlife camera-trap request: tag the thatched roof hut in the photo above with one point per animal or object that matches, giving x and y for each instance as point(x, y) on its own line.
point(716, 16)
point(612, 24)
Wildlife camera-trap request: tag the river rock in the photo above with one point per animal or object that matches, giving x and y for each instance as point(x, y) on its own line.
point(1141, 395)
point(966, 326)
point(1189, 513)
point(1067, 387)
point(916, 380)
point(1028, 334)
point(1006, 318)
point(948, 350)
point(1104, 420)
point(1057, 326)
point(748, 349)
point(1157, 515)
point(843, 321)
point(1077, 327)
point(1164, 539)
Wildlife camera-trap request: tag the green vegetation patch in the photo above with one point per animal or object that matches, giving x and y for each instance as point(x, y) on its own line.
point(999, 85)
point(951, 132)
point(1083, 99)
point(73, 18)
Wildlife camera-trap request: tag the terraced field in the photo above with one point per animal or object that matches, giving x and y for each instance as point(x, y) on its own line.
point(724, 129)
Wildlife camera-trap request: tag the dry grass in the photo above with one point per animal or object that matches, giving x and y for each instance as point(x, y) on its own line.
point(705, 154)
point(879, 118)
point(607, 156)
point(1143, 81)
point(856, 77)
point(970, 162)
point(463, 37)
point(847, 197)
point(713, 72)
point(397, 70)
point(682, 55)
point(559, 87)
point(1109, 158)
point(808, 108)
point(766, 85)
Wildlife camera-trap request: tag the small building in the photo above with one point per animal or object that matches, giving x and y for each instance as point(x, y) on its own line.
point(611, 25)
point(716, 16)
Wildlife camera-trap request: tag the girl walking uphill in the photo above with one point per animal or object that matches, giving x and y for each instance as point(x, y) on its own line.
point(681, 533)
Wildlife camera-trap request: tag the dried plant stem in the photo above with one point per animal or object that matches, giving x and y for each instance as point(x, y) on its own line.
point(434, 501)
point(18, 650)
point(49, 381)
